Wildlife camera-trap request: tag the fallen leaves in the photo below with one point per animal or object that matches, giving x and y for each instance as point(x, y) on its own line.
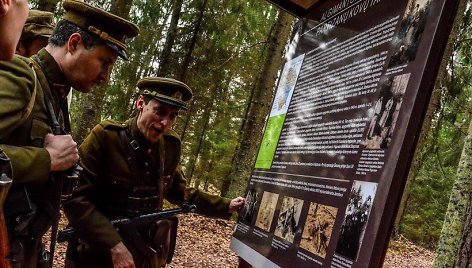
point(204, 242)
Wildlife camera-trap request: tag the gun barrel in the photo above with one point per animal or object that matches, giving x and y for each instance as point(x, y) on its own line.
point(69, 233)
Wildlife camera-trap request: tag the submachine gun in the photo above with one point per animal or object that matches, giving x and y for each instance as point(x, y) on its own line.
point(129, 228)
point(64, 182)
point(5, 183)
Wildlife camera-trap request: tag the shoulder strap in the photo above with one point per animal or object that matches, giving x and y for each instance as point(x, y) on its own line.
point(56, 127)
point(131, 147)
point(58, 179)
point(29, 108)
point(160, 183)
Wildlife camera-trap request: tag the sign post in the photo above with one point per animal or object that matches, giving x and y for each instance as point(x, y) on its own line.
point(341, 134)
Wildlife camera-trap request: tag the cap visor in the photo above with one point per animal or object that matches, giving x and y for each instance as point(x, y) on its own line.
point(176, 104)
point(121, 52)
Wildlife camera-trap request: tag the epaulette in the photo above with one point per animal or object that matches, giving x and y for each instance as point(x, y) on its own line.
point(110, 124)
point(23, 59)
point(20, 64)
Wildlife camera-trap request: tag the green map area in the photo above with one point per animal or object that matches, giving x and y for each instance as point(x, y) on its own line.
point(270, 141)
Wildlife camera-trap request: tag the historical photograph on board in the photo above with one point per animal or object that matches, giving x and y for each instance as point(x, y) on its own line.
point(384, 112)
point(288, 223)
point(266, 210)
point(249, 210)
point(318, 228)
point(355, 220)
point(411, 30)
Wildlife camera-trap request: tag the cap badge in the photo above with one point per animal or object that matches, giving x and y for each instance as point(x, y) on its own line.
point(177, 95)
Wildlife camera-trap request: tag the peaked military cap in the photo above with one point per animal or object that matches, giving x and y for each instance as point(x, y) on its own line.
point(110, 28)
point(38, 23)
point(167, 90)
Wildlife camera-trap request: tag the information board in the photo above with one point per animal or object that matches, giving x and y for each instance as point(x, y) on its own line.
point(339, 140)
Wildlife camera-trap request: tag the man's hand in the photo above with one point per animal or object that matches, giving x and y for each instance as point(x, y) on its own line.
point(62, 150)
point(236, 204)
point(121, 257)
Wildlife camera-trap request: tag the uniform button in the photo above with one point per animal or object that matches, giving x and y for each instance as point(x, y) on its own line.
point(146, 164)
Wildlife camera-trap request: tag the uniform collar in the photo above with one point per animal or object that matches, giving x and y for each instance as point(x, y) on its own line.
point(53, 72)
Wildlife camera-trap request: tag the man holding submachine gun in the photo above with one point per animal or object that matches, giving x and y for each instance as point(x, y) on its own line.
point(128, 169)
point(162, 223)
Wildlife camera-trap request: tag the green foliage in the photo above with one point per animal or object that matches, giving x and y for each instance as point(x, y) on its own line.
point(431, 189)
point(427, 205)
point(224, 49)
point(225, 64)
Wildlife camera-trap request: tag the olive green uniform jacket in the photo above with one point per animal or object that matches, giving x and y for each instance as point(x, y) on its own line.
point(24, 122)
point(104, 185)
point(21, 136)
point(30, 163)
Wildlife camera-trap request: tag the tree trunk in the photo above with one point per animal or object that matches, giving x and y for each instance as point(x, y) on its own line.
point(201, 157)
point(426, 127)
point(259, 109)
point(188, 116)
point(186, 64)
point(454, 247)
point(193, 41)
point(465, 248)
point(227, 180)
point(455, 236)
point(206, 117)
point(164, 59)
point(199, 147)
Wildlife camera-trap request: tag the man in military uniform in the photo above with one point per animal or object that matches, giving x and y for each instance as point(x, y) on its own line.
point(80, 54)
point(13, 14)
point(129, 167)
point(38, 27)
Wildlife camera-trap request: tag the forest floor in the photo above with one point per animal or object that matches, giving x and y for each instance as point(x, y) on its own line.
point(204, 242)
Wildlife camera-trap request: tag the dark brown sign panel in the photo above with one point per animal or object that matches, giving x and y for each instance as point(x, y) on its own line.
point(299, 8)
point(341, 134)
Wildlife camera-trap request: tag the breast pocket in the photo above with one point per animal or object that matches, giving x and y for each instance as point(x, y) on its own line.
point(117, 183)
point(117, 187)
point(116, 191)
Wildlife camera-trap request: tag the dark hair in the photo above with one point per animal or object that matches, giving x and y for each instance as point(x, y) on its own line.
point(65, 29)
point(147, 98)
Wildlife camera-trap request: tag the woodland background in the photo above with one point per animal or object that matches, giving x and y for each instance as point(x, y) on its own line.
point(229, 52)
